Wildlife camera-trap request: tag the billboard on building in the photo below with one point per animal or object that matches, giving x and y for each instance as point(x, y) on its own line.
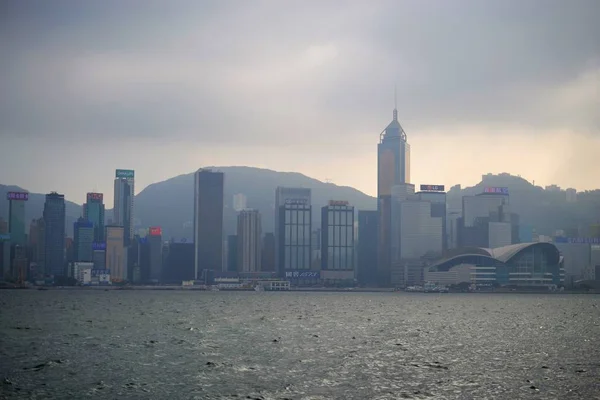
point(338, 203)
point(95, 197)
point(155, 231)
point(302, 274)
point(22, 196)
point(433, 188)
point(297, 201)
point(5, 237)
point(99, 246)
point(497, 190)
point(125, 173)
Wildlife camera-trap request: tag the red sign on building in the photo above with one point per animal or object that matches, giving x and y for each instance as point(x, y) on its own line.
point(155, 231)
point(95, 196)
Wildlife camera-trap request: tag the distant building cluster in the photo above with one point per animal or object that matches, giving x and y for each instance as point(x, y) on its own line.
point(415, 238)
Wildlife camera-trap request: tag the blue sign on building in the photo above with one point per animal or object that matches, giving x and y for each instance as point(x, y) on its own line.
point(580, 240)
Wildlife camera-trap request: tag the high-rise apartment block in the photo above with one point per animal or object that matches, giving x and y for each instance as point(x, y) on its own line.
point(239, 202)
point(249, 241)
point(93, 211)
point(123, 209)
point(208, 220)
point(54, 234)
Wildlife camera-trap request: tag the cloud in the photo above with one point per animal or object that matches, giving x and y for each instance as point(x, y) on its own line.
point(265, 72)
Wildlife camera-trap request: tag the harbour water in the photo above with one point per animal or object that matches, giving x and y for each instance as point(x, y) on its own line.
point(78, 344)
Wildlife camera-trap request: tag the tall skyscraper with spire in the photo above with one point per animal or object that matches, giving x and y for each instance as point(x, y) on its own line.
point(393, 168)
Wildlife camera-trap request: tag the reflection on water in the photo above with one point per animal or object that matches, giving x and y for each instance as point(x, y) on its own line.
point(182, 345)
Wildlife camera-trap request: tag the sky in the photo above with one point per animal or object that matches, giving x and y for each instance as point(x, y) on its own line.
point(166, 87)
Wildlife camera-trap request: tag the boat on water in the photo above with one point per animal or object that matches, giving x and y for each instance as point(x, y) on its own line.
point(259, 288)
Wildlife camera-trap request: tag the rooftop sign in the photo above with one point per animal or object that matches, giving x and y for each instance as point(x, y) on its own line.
point(22, 196)
point(433, 188)
point(95, 197)
point(496, 190)
point(124, 173)
point(338, 203)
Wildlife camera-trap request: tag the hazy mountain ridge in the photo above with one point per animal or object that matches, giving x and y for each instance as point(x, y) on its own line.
point(169, 203)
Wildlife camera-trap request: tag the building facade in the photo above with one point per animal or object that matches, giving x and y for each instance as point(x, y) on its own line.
point(208, 220)
point(268, 252)
point(486, 220)
point(123, 209)
point(116, 257)
point(393, 168)
point(249, 241)
point(368, 229)
point(337, 242)
point(93, 211)
point(54, 234)
point(155, 257)
point(83, 235)
point(232, 253)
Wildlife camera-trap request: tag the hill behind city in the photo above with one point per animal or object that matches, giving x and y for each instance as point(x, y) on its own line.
point(169, 203)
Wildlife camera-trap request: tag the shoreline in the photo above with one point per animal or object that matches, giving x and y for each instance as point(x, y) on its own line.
point(297, 289)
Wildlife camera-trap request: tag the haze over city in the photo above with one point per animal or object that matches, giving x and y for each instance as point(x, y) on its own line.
point(483, 86)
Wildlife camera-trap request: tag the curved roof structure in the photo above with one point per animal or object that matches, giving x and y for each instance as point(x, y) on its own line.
point(499, 255)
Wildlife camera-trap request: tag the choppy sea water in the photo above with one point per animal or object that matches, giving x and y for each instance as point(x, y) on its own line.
point(78, 344)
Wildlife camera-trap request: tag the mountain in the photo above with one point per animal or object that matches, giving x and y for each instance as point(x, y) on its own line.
point(545, 210)
point(169, 203)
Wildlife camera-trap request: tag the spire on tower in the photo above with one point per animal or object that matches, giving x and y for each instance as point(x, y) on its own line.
point(395, 104)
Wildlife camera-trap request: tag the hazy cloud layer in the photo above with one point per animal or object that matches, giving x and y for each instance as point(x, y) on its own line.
point(280, 73)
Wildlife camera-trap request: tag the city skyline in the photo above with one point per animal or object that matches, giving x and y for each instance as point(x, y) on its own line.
point(320, 86)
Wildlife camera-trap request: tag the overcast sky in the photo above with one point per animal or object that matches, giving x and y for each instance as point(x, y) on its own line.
point(165, 87)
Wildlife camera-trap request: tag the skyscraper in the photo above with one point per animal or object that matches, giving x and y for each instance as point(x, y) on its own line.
point(337, 242)
point(16, 217)
point(123, 204)
point(208, 220)
point(83, 235)
point(93, 211)
point(294, 240)
point(54, 232)
point(249, 237)
point(393, 168)
point(285, 195)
